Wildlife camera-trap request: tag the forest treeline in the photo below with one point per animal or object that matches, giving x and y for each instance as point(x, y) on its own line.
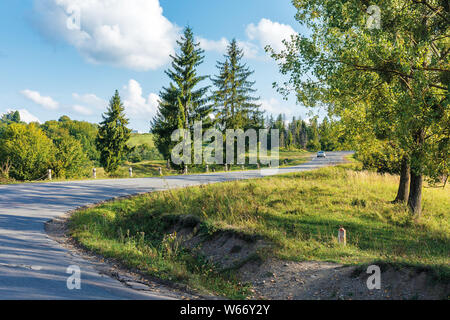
point(71, 148)
point(68, 147)
point(230, 102)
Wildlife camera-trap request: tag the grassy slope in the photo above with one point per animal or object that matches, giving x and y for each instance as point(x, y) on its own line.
point(299, 213)
point(141, 138)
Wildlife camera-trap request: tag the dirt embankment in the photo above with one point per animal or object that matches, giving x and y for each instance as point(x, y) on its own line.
point(286, 280)
point(270, 278)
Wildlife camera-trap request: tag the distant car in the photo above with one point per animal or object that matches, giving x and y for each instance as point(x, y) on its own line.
point(321, 154)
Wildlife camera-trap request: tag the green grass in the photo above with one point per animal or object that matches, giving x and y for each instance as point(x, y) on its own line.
point(298, 213)
point(151, 168)
point(137, 139)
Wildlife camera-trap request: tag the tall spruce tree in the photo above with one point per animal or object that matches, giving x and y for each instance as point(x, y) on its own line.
point(183, 102)
point(113, 135)
point(234, 104)
point(166, 120)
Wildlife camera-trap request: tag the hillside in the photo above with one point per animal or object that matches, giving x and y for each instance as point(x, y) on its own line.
point(208, 237)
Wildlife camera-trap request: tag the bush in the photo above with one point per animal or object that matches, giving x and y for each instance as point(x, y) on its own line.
point(28, 149)
point(70, 160)
point(82, 131)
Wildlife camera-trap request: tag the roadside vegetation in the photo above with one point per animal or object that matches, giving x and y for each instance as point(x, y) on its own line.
point(297, 214)
point(387, 82)
point(71, 148)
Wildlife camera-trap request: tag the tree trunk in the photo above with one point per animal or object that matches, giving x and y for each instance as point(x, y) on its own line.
point(415, 189)
point(403, 187)
point(415, 193)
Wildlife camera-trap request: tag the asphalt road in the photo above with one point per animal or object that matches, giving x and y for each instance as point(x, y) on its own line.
point(33, 266)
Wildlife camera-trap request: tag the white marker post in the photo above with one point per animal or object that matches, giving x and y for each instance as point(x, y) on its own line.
point(342, 236)
point(49, 174)
point(130, 172)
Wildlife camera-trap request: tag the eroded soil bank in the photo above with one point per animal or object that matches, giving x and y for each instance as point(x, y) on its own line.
point(269, 278)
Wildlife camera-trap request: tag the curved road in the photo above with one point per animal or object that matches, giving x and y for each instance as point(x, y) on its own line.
point(32, 266)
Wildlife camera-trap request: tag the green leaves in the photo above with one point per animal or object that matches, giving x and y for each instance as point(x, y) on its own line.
point(234, 103)
point(28, 149)
point(395, 76)
point(70, 160)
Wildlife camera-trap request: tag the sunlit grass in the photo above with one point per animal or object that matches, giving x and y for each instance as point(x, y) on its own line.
point(300, 214)
point(151, 168)
point(141, 138)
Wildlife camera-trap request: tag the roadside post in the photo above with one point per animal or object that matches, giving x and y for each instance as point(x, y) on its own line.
point(342, 236)
point(130, 171)
point(49, 174)
point(94, 173)
point(207, 169)
point(160, 171)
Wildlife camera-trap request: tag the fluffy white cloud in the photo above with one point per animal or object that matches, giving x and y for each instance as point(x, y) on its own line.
point(132, 34)
point(136, 104)
point(25, 116)
point(272, 105)
point(213, 45)
point(91, 100)
point(137, 107)
point(36, 97)
point(250, 49)
point(82, 110)
point(275, 107)
point(267, 32)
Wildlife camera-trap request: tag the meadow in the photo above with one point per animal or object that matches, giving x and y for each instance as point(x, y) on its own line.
point(299, 214)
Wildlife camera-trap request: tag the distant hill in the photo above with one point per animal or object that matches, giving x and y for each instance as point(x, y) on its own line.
point(141, 138)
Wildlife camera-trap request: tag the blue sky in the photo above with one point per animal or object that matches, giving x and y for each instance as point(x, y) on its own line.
point(49, 69)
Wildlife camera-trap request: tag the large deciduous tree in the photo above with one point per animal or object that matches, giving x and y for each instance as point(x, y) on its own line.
point(348, 63)
point(82, 131)
point(29, 151)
